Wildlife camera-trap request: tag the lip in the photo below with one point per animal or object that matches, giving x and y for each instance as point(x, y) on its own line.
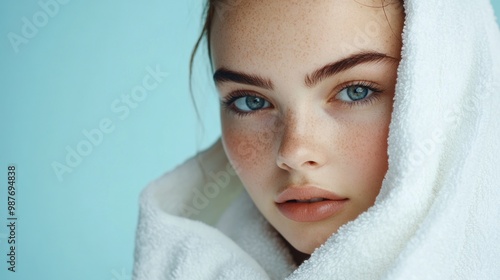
point(288, 204)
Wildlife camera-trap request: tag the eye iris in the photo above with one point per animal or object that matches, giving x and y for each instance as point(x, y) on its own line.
point(357, 93)
point(255, 103)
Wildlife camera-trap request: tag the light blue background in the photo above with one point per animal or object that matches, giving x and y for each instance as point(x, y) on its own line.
point(65, 80)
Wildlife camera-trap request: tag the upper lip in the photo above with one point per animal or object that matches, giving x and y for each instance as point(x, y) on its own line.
point(306, 193)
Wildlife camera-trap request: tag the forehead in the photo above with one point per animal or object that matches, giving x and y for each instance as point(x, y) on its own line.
point(256, 35)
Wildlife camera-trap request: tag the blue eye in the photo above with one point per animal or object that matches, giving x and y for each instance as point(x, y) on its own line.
point(250, 103)
point(354, 93)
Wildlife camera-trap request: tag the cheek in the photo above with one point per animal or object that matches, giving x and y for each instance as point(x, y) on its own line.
point(249, 149)
point(367, 158)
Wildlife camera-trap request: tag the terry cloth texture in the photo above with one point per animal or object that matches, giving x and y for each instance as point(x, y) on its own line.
point(437, 215)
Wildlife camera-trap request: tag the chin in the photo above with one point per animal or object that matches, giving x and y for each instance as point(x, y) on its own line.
point(308, 237)
point(307, 248)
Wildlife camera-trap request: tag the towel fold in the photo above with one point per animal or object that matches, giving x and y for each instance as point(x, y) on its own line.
point(437, 215)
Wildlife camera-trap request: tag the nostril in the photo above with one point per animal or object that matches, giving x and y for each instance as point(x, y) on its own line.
point(300, 158)
point(311, 163)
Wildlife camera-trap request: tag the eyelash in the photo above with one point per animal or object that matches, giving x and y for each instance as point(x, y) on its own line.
point(228, 101)
point(366, 101)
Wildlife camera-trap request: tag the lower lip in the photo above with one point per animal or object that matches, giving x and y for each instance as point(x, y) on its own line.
point(311, 212)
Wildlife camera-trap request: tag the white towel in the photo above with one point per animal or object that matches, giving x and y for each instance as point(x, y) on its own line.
point(437, 215)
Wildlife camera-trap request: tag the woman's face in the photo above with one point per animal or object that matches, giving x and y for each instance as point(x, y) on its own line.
point(307, 90)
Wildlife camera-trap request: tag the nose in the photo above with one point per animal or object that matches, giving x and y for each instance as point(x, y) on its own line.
point(301, 146)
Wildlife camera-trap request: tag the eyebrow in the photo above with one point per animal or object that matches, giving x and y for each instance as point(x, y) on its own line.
point(223, 75)
point(344, 65)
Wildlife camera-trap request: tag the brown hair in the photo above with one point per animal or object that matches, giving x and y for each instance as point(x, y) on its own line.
point(208, 14)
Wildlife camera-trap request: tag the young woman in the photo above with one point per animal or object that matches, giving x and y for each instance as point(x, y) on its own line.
point(352, 147)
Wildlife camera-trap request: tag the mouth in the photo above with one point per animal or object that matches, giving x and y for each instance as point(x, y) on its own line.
point(309, 204)
point(313, 200)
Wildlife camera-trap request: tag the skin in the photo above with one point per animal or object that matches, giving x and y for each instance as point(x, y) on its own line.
point(308, 135)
